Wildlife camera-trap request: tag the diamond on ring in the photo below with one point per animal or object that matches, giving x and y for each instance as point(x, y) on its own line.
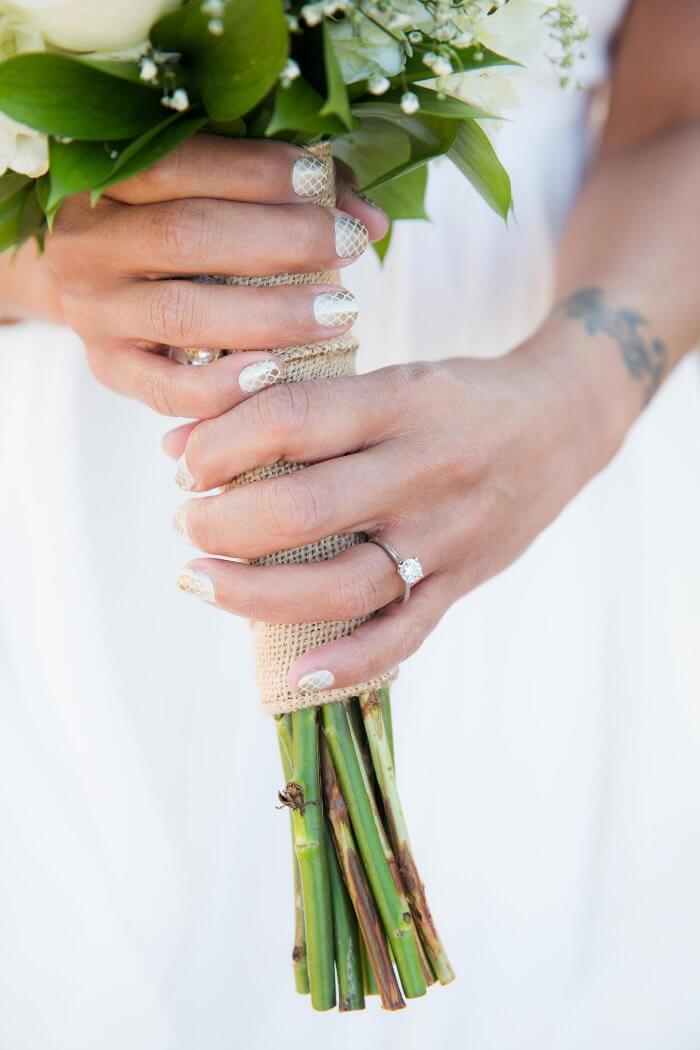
point(410, 571)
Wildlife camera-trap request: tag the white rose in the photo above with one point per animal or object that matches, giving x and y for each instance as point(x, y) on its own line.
point(362, 53)
point(87, 25)
point(22, 149)
point(516, 30)
point(17, 35)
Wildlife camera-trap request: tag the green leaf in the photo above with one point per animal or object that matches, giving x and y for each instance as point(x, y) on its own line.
point(298, 108)
point(11, 210)
point(151, 147)
point(374, 149)
point(337, 104)
point(404, 196)
point(382, 247)
point(236, 70)
point(78, 166)
point(64, 96)
point(10, 183)
point(476, 158)
point(123, 70)
point(428, 137)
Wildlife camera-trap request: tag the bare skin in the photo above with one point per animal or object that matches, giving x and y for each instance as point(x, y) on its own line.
point(493, 450)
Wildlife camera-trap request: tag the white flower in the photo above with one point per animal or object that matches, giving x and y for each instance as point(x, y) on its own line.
point(17, 35)
point(22, 149)
point(364, 49)
point(516, 30)
point(87, 25)
point(494, 89)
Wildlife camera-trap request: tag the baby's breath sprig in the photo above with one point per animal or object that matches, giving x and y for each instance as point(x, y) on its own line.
point(568, 31)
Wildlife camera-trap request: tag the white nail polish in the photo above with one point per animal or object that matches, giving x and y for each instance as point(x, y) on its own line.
point(309, 177)
point(180, 524)
point(314, 681)
point(198, 584)
point(184, 478)
point(258, 376)
point(335, 309)
point(351, 237)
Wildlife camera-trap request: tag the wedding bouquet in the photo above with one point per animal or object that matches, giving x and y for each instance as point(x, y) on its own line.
point(91, 94)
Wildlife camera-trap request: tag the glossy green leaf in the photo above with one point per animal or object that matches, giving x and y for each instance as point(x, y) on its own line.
point(404, 196)
point(374, 149)
point(297, 108)
point(233, 72)
point(10, 183)
point(428, 137)
point(431, 105)
point(64, 96)
point(337, 104)
point(11, 209)
point(476, 158)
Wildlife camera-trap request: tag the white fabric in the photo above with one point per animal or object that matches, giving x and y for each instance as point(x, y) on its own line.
point(552, 718)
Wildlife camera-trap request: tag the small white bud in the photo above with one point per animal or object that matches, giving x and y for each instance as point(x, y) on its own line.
point(442, 67)
point(179, 100)
point(215, 8)
point(216, 27)
point(148, 70)
point(290, 72)
point(378, 84)
point(409, 102)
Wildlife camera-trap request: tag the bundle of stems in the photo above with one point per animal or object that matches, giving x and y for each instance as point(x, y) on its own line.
point(362, 925)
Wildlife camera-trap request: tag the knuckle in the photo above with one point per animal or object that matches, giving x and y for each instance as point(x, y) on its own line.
point(172, 310)
point(184, 232)
point(157, 393)
point(356, 595)
point(283, 409)
point(294, 508)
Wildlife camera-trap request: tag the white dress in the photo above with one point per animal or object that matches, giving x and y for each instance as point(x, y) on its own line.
point(144, 880)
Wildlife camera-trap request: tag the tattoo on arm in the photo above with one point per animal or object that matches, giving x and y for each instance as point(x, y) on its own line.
point(645, 358)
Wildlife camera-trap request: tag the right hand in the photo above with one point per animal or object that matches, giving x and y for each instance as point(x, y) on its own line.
point(215, 206)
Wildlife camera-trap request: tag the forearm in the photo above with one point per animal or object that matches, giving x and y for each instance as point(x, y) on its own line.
point(628, 307)
point(27, 287)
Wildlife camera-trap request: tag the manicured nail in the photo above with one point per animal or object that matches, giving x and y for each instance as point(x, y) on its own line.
point(183, 477)
point(314, 681)
point(309, 177)
point(258, 376)
point(335, 309)
point(198, 584)
point(351, 237)
point(180, 524)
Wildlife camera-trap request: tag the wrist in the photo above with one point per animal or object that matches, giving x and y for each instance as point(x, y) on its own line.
point(589, 384)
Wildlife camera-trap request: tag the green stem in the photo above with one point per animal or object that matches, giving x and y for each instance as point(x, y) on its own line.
point(374, 849)
point(304, 794)
point(301, 974)
point(348, 962)
point(369, 982)
point(372, 706)
point(374, 943)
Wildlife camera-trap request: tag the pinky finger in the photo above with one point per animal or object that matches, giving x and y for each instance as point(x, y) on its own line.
point(377, 646)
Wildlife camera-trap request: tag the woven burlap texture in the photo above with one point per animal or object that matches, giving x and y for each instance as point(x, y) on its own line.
point(277, 646)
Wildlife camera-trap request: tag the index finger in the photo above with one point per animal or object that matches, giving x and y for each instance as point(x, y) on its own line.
point(246, 170)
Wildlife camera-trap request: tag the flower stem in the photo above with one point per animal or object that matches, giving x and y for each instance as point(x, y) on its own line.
point(376, 958)
point(304, 795)
point(348, 962)
point(372, 705)
point(379, 862)
point(301, 974)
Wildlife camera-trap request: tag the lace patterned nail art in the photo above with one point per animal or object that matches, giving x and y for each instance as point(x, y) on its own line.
point(335, 309)
point(351, 237)
point(309, 177)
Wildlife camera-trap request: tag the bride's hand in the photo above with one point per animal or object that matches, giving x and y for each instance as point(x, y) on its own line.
point(215, 206)
point(460, 464)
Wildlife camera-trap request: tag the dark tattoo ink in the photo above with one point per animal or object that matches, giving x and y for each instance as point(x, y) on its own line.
point(645, 358)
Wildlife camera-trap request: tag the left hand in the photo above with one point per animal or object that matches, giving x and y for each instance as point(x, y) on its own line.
point(460, 463)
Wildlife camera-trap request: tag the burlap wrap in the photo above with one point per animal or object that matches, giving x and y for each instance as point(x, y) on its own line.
point(277, 646)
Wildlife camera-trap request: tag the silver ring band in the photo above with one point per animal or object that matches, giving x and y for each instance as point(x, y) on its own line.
point(409, 569)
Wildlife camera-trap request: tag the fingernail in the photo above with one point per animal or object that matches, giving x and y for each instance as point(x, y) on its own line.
point(198, 584)
point(183, 477)
point(180, 524)
point(351, 237)
point(258, 376)
point(309, 177)
point(314, 681)
point(335, 309)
